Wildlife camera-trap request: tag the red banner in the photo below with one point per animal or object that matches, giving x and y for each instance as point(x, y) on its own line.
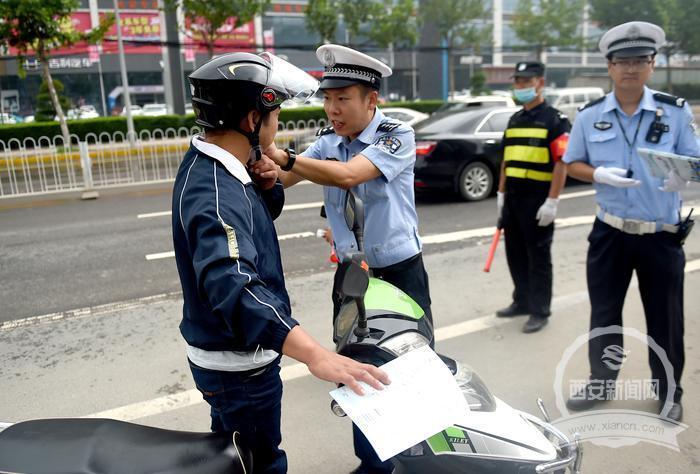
point(228, 38)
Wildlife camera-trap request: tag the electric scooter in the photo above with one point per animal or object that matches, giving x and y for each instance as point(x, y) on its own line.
point(377, 322)
point(105, 446)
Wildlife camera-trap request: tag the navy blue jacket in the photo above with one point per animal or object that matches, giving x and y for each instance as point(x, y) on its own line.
point(228, 255)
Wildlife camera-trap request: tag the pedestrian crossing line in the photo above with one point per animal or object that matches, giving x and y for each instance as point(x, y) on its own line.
point(188, 398)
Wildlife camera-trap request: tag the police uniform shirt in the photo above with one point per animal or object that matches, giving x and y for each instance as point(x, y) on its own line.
point(528, 142)
point(391, 223)
point(597, 139)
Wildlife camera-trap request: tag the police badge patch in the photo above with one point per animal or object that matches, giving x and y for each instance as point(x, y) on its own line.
point(388, 143)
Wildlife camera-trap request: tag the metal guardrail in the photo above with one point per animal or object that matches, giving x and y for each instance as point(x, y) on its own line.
point(47, 165)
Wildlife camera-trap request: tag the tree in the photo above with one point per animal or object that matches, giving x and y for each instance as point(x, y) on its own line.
point(686, 19)
point(477, 84)
point(549, 23)
point(396, 22)
point(384, 22)
point(322, 17)
point(40, 26)
point(609, 13)
point(206, 17)
point(45, 110)
point(457, 23)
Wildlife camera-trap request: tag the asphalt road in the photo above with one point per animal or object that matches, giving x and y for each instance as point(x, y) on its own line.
point(128, 361)
point(59, 253)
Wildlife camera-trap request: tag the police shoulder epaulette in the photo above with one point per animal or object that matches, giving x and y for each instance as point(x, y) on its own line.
point(388, 126)
point(325, 131)
point(591, 103)
point(669, 99)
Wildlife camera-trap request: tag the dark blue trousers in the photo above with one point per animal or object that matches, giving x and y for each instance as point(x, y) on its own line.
point(250, 403)
point(659, 261)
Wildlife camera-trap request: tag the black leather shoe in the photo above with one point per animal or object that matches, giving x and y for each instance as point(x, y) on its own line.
point(512, 310)
point(587, 397)
point(534, 324)
point(675, 413)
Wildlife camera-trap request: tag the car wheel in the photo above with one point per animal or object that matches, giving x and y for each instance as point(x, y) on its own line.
point(475, 182)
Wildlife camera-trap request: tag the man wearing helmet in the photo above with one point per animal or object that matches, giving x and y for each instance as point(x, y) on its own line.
point(373, 155)
point(237, 318)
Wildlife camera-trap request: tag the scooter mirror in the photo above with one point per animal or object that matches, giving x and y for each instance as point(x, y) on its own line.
point(354, 212)
point(354, 278)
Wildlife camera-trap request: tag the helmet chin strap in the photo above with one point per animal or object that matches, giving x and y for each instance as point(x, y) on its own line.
point(254, 140)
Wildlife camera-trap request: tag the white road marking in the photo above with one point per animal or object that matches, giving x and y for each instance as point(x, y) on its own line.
point(192, 397)
point(290, 207)
point(158, 256)
point(309, 205)
point(590, 192)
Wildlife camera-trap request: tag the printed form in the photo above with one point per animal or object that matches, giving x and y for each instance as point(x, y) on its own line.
point(422, 400)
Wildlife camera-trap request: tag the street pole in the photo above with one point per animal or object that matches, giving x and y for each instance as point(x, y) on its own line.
point(95, 21)
point(131, 133)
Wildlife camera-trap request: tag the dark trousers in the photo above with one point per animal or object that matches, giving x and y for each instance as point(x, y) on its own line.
point(410, 277)
point(528, 250)
point(659, 261)
point(251, 405)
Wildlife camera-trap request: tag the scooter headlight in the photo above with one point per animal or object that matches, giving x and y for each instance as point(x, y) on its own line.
point(474, 389)
point(404, 343)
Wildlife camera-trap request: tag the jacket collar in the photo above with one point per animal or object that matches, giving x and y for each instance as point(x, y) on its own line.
point(230, 162)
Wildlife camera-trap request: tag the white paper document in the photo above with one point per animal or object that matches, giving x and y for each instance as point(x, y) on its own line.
point(661, 163)
point(422, 400)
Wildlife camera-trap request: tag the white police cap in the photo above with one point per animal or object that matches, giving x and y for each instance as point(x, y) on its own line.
point(635, 38)
point(346, 67)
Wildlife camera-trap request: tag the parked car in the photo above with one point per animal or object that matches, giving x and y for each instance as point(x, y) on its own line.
point(154, 110)
point(135, 110)
point(407, 116)
point(569, 99)
point(461, 151)
point(468, 102)
point(87, 111)
point(6, 119)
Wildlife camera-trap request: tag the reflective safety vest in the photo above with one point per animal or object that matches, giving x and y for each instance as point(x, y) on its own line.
point(532, 143)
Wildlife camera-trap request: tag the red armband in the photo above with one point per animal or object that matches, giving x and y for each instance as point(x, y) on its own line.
point(558, 146)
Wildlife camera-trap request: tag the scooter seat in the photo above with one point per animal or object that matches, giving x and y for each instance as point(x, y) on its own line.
point(102, 446)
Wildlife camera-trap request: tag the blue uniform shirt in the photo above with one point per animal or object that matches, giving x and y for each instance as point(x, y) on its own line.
point(391, 222)
point(597, 139)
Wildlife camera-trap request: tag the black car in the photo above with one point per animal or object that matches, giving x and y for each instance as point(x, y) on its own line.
point(461, 151)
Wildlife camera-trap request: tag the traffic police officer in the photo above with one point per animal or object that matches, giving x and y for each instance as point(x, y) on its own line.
point(236, 314)
point(532, 176)
point(638, 225)
point(373, 155)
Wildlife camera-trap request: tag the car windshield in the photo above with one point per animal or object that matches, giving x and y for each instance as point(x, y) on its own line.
point(461, 122)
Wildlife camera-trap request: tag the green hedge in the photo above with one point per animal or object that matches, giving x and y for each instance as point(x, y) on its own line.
point(118, 124)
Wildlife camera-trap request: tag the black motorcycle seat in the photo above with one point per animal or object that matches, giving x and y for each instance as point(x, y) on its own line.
point(102, 446)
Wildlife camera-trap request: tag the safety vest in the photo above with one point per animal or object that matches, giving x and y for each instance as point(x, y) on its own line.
point(532, 143)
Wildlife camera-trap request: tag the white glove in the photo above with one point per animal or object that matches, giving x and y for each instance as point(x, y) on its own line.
point(674, 183)
point(500, 201)
point(616, 177)
point(547, 212)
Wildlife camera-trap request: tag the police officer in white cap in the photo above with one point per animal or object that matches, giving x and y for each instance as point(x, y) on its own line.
point(638, 226)
point(374, 156)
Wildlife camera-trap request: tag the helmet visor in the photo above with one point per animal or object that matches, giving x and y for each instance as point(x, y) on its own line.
point(297, 85)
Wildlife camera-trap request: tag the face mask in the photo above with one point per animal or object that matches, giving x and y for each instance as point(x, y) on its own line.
point(524, 96)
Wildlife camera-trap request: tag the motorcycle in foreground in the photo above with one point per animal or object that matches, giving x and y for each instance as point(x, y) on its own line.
point(377, 322)
point(105, 446)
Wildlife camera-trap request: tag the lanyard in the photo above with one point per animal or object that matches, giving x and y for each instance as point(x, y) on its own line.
point(636, 132)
